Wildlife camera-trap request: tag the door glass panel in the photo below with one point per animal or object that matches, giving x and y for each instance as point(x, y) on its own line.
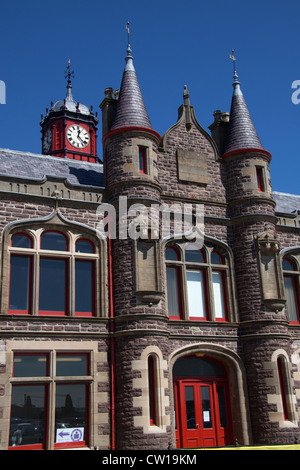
point(206, 407)
point(190, 408)
point(70, 413)
point(27, 415)
point(222, 408)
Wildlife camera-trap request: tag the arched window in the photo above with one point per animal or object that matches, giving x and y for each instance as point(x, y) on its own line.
point(196, 283)
point(152, 390)
point(291, 276)
point(283, 381)
point(55, 275)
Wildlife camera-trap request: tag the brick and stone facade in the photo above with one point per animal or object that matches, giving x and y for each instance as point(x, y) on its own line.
point(250, 226)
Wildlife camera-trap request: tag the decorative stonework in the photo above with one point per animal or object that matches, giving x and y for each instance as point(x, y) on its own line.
point(268, 248)
point(142, 401)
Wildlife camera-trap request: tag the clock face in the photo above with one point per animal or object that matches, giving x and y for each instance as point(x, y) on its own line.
point(78, 136)
point(47, 141)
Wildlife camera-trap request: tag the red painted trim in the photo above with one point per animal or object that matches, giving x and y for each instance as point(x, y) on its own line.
point(30, 285)
point(131, 128)
point(247, 150)
point(142, 160)
point(60, 233)
point(67, 287)
point(112, 347)
point(225, 296)
point(24, 235)
point(85, 240)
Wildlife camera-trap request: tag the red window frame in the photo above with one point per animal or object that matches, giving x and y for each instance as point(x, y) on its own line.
point(207, 315)
point(30, 285)
point(92, 313)
point(34, 381)
point(44, 254)
point(66, 311)
point(223, 277)
point(294, 276)
point(260, 178)
point(152, 394)
point(297, 298)
point(85, 442)
point(85, 240)
point(179, 291)
point(143, 160)
point(24, 235)
point(40, 446)
point(54, 231)
point(283, 390)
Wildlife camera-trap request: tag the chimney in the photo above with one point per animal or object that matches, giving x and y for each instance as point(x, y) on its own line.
point(219, 128)
point(108, 108)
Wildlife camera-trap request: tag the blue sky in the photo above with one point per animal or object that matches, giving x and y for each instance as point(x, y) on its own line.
point(174, 43)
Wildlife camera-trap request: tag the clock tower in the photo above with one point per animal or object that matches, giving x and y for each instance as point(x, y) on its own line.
point(69, 129)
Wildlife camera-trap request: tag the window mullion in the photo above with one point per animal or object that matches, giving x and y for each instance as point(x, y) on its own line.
point(185, 300)
point(211, 314)
point(35, 283)
point(72, 286)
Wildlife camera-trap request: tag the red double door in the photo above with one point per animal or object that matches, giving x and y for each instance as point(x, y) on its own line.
point(203, 417)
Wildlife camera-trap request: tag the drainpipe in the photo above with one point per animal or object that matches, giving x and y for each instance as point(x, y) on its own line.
point(112, 347)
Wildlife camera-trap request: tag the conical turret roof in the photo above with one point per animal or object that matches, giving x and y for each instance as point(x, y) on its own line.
point(241, 131)
point(131, 110)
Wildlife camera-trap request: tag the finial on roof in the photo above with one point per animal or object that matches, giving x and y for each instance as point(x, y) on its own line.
point(69, 74)
point(236, 83)
point(241, 133)
point(129, 58)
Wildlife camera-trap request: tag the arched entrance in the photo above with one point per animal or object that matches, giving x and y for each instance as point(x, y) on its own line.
point(202, 406)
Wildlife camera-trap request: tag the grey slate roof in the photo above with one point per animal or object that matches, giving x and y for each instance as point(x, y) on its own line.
point(286, 203)
point(36, 167)
point(131, 110)
point(241, 131)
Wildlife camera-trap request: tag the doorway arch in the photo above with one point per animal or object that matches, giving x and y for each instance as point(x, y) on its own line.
point(210, 398)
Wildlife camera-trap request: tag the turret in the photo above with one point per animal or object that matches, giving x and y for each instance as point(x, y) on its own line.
point(263, 325)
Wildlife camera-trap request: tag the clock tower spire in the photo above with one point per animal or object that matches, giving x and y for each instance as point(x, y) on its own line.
point(69, 128)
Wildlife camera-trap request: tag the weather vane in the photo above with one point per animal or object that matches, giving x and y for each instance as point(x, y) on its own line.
point(127, 28)
point(231, 56)
point(68, 72)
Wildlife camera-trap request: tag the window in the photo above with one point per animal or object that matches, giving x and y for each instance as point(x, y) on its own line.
point(291, 277)
point(260, 178)
point(281, 365)
point(50, 400)
point(152, 391)
point(143, 160)
point(196, 283)
point(53, 263)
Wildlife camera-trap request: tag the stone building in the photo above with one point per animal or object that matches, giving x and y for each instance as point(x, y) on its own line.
point(150, 297)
